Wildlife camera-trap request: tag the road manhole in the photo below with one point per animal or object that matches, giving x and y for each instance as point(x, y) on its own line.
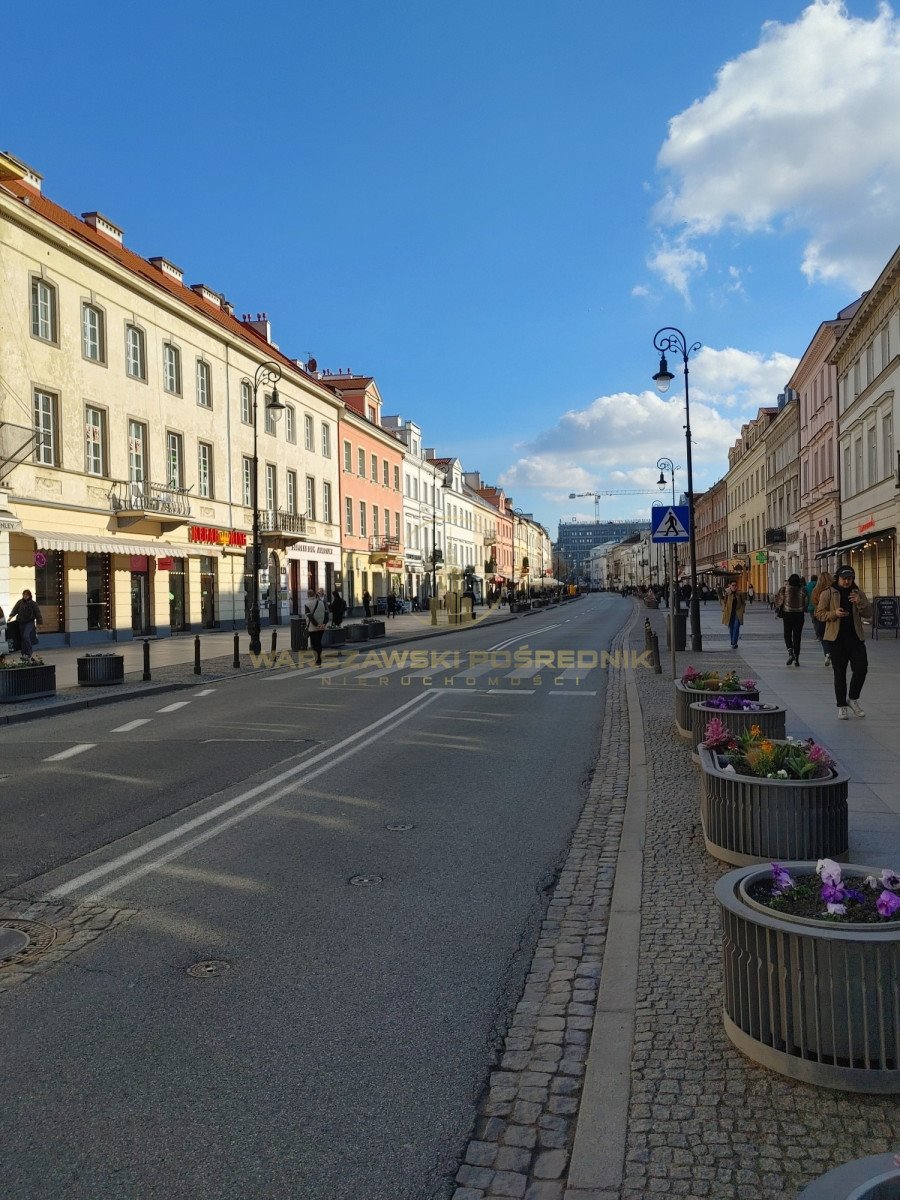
point(12, 941)
point(365, 880)
point(399, 828)
point(23, 939)
point(208, 968)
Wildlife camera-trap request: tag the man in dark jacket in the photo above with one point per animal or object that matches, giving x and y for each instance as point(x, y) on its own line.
point(27, 616)
point(338, 608)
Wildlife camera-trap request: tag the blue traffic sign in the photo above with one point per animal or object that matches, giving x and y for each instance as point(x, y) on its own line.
point(670, 524)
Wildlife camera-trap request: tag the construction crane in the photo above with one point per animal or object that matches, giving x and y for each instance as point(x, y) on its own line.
point(597, 495)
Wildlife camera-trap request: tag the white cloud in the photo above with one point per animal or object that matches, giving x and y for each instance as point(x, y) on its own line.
point(639, 290)
point(677, 265)
point(613, 443)
point(800, 134)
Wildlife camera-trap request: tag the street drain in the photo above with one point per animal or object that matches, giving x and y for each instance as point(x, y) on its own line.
point(23, 939)
point(399, 828)
point(365, 880)
point(12, 941)
point(208, 968)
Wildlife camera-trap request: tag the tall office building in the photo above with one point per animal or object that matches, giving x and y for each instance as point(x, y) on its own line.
point(576, 538)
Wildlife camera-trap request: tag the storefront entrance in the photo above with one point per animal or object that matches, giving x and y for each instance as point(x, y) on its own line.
point(141, 616)
point(208, 587)
point(98, 591)
point(177, 597)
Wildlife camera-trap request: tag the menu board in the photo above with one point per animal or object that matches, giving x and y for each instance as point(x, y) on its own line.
point(886, 614)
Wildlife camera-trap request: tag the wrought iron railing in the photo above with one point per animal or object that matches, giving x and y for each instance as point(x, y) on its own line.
point(280, 521)
point(131, 496)
point(384, 545)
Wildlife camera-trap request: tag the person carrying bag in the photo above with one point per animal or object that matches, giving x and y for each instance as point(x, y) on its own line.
point(25, 617)
point(790, 605)
point(317, 619)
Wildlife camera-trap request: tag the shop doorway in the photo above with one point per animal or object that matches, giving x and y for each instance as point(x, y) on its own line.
point(295, 587)
point(208, 581)
point(177, 597)
point(98, 591)
point(140, 595)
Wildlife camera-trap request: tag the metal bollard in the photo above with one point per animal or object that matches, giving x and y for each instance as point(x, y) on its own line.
point(146, 675)
point(197, 655)
point(274, 639)
point(657, 665)
point(236, 661)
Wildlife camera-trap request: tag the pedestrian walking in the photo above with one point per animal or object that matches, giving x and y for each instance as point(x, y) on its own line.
point(751, 594)
point(842, 607)
point(338, 608)
point(790, 605)
point(733, 606)
point(822, 584)
point(392, 604)
point(27, 616)
point(317, 618)
point(367, 603)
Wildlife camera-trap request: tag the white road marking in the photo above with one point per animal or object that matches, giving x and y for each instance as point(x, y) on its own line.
point(173, 707)
point(295, 776)
point(569, 693)
point(510, 692)
point(73, 750)
point(205, 692)
point(132, 725)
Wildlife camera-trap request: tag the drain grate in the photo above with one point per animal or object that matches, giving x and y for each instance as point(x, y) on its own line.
point(12, 942)
point(365, 880)
point(23, 940)
point(208, 968)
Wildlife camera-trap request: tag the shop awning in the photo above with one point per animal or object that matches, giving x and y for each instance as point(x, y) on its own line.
point(842, 547)
point(101, 545)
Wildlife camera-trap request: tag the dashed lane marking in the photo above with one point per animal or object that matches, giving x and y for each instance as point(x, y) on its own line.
point(127, 728)
point(71, 752)
point(205, 692)
point(173, 707)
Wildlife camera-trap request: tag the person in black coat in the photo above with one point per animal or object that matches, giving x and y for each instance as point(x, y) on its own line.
point(367, 603)
point(27, 616)
point(338, 608)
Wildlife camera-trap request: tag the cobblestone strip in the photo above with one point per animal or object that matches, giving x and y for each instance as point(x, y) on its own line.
point(57, 931)
point(704, 1122)
point(526, 1118)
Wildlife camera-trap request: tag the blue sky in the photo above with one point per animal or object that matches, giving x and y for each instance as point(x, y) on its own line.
point(493, 207)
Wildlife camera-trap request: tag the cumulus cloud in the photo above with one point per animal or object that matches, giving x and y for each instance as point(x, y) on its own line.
point(797, 134)
point(613, 443)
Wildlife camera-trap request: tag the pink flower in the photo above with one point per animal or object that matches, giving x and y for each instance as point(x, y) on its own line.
point(716, 733)
point(748, 685)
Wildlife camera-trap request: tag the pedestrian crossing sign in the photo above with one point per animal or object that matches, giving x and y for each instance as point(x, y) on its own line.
point(670, 524)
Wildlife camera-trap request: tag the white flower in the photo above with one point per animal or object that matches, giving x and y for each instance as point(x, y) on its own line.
point(837, 910)
point(829, 871)
point(730, 768)
point(890, 879)
point(782, 775)
point(872, 882)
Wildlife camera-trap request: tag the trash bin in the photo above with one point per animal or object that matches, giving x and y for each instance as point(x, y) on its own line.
point(680, 619)
point(299, 636)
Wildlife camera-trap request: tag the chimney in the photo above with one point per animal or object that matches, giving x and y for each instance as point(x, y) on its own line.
point(13, 169)
point(200, 289)
point(261, 325)
point(227, 305)
point(105, 226)
point(167, 268)
point(473, 479)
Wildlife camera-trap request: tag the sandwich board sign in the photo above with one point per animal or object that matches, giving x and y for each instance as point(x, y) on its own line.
point(670, 524)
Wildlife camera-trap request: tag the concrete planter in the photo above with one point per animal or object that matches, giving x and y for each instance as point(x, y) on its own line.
point(874, 1178)
point(95, 670)
point(749, 820)
point(685, 697)
point(334, 637)
point(358, 633)
point(27, 683)
point(770, 720)
point(813, 1000)
point(376, 628)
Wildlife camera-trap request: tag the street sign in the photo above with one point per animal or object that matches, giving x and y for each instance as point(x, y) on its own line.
point(670, 524)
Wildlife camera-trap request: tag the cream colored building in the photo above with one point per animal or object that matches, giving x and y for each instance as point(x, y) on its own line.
point(746, 484)
point(127, 438)
point(782, 532)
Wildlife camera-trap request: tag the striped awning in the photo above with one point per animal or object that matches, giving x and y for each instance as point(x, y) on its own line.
point(89, 544)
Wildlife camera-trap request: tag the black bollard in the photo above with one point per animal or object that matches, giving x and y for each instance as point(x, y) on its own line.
point(657, 665)
point(146, 676)
point(274, 639)
point(197, 655)
point(236, 661)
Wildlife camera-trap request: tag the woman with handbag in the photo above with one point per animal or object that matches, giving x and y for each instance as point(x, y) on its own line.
point(790, 605)
point(733, 606)
point(27, 616)
point(317, 619)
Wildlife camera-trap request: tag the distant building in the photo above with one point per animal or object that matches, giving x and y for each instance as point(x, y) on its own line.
point(576, 539)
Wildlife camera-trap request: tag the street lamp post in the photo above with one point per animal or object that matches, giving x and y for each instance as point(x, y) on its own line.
point(667, 339)
point(267, 372)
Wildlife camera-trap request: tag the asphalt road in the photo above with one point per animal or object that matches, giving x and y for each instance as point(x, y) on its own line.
point(340, 1054)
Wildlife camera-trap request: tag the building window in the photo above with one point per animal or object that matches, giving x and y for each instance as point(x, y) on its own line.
point(361, 463)
point(46, 426)
point(326, 440)
point(94, 441)
point(371, 413)
point(292, 492)
point(247, 481)
point(386, 474)
point(43, 310)
point(870, 362)
point(205, 470)
point(307, 432)
point(135, 353)
point(375, 522)
point(872, 456)
point(885, 346)
point(348, 457)
point(311, 497)
point(271, 488)
point(348, 514)
point(362, 518)
point(858, 465)
point(887, 444)
point(326, 503)
point(396, 525)
point(174, 460)
point(374, 468)
point(270, 422)
point(396, 479)
point(204, 384)
point(172, 369)
point(856, 376)
point(408, 482)
point(290, 425)
point(246, 402)
point(137, 451)
point(93, 333)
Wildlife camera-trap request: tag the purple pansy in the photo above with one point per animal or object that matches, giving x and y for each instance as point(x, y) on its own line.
point(888, 904)
point(781, 880)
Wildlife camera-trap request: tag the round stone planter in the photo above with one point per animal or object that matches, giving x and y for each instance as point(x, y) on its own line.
point(769, 719)
point(376, 628)
point(750, 820)
point(358, 633)
point(94, 670)
point(27, 683)
point(334, 637)
point(874, 1178)
point(813, 1000)
point(685, 697)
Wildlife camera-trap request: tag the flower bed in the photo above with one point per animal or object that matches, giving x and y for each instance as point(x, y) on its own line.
point(815, 997)
point(735, 715)
point(695, 686)
point(25, 681)
point(97, 669)
point(787, 800)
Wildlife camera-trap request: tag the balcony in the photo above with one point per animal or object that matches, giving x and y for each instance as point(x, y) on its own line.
point(739, 548)
point(278, 521)
point(775, 537)
point(153, 506)
point(384, 545)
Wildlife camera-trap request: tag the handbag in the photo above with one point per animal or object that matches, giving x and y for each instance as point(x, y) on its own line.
point(779, 610)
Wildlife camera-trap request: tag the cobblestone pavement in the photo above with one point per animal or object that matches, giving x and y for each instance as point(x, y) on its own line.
point(703, 1120)
point(56, 932)
point(526, 1117)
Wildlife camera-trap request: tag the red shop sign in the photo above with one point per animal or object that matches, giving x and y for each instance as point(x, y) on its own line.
point(165, 564)
point(208, 535)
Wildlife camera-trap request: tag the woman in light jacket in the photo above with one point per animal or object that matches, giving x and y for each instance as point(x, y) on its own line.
point(733, 605)
point(791, 600)
point(842, 608)
point(823, 584)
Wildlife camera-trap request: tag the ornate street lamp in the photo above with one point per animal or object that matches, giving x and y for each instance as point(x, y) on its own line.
point(267, 372)
point(667, 339)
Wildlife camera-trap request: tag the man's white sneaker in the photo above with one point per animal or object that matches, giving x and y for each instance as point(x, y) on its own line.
point(843, 712)
point(827, 660)
point(855, 705)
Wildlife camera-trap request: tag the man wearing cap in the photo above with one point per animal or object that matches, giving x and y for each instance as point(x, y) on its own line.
point(842, 608)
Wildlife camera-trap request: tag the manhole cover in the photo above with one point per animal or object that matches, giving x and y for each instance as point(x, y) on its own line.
point(12, 941)
point(209, 968)
point(399, 828)
point(365, 880)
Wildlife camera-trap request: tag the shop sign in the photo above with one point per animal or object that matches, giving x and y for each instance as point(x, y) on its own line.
point(866, 526)
point(762, 556)
point(394, 564)
point(208, 535)
point(165, 564)
point(312, 549)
